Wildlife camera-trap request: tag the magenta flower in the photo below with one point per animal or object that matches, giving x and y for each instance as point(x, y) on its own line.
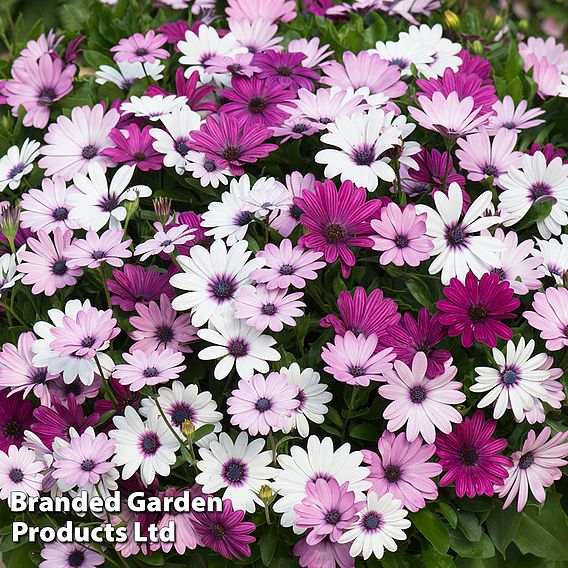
point(287, 266)
point(363, 314)
point(401, 234)
point(134, 148)
point(260, 404)
point(255, 102)
point(16, 416)
point(355, 359)
point(475, 64)
point(535, 467)
point(550, 316)
point(402, 469)
point(472, 458)
point(159, 326)
point(285, 69)
point(142, 48)
point(138, 284)
point(45, 266)
point(475, 309)
point(193, 221)
point(175, 31)
point(548, 151)
point(423, 404)
point(336, 220)
point(225, 531)
point(94, 249)
point(224, 140)
point(327, 510)
point(36, 85)
point(148, 369)
point(410, 336)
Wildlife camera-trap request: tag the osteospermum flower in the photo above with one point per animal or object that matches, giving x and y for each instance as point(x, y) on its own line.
point(472, 457)
point(431, 172)
point(236, 344)
point(17, 163)
point(287, 266)
point(423, 404)
point(402, 469)
point(210, 278)
point(261, 404)
point(45, 265)
point(133, 147)
point(240, 468)
point(509, 117)
point(535, 467)
point(286, 69)
point(153, 108)
point(95, 250)
point(409, 336)
point(262, 308)
point(336, 220)
point(16, 416)
point(355, 360)
point(267, 198)
point(517, 381)
point(20, 471)
point(225, 531)
point(152, 368)
point(141, 48)
point(63, 555)
point(164, 240)
point(401, 234)
point(205, 169)
point(250, 10)
point(380, 523)
point(72, 144)
point(148, 446)
point(327, 511)
point(126, 74)
point(552, 255)
point(475, 310)
point(550, 316)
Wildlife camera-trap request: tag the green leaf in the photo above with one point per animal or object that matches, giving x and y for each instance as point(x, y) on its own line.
point(435, 531)
point(469, 525)
point(364, 431)
point(433, 559)
point(268, 544)
point(502, 526)
point(543, 533)
point(155, 559)
point(202, 431)
point(482, 549)
point(449, 513)
point(537, 212)
point(96, 59)
point(420, 292)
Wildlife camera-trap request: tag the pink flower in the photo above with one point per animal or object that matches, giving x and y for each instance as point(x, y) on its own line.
point(327, 510)
point(45, 266)
point(134, 147)
point(94, 250)
point(423, 404)
point(550, 316)
point(402, 235)
point(553, 52)
point(262, 404)
point(147, 369)
point(251, 10)
point(510, 118)
point(36, 85)
point(324, 554)
point(164, 240)
point(143, 48)
point(402, 469)
point(159, 326)
point(19, 471)
point(262, 308)
point(545, 74)
point(63, 555)
point(74, 143)
point(356, 360)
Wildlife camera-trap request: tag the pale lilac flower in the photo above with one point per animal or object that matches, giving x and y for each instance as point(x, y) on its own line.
point(20, 471)
point(550, 316)
point(353, 359)
point(205, 169)
point(141, 48)
point(261, 404)
point(273, 11)
point(95, 250)
point(255, 35)
point(315, 53)
point(17, 163)
point(515, 119)
point(63, 555)
point(267, 197)
point(164, 240)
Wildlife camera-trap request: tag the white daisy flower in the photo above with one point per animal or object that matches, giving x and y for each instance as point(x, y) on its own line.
point(173, 142)
point(229, 219)
point(457, 245)
point(517, 381)
point(97, 204)
point(380, 523)
point(17, 163)
point(128, 73)
point(153, 108)
point(199, 48)
point(553, 256)
point(267, 197)
point(363, 141)
point(239, 468)
point(180, 402)
point(164, 240)
point(536, 181)
point(8, 273)
point(404, 53)
point(206, 170)
point(313, 396)
point(148, 446)
point(319, 461)
point(211, 278)
point(563, 88)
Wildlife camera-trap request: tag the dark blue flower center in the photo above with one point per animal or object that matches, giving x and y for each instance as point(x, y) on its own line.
point(526, 460)
point(234, 471)
point(268, 309)
point(76, 559)
point(455, 236)
point(150, 443)
point(150, 372)
point(16, 475)
point(223, 289)
point(209, 165)
point(392, 473)
point(418, 394)
point(509, 377)
point(89, 152)
point(372, 521)
point(59, 267)
point(262, 404)
point(87, 465)
point(181, 147)
point(181, 412)
point(238, 348)
point(333, 517)
point(401, 241)
point(286, 269)
point(60, 214)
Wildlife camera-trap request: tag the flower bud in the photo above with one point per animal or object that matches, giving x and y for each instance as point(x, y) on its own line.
point(9, 223)
point(451, 20)
point(187, 428)
point(162, 207)
point(265, 493)
point(477, 47)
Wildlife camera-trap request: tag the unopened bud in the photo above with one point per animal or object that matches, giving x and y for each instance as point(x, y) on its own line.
point(498, 22)
point(9, 223)
point(478, 47)
point(187, 427)
point(451, 20)
point(162, 207)
point(265, 493)
point(524, 25)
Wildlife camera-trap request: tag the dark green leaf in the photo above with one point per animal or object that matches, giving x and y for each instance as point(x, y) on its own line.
point(469, 525)
point(449, 513)
point(502, 526)
point(268, 543)
point(433, 528)
point(482, 549)
point(433, 559)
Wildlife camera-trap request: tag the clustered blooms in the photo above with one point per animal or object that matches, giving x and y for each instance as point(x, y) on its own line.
point(320, 284)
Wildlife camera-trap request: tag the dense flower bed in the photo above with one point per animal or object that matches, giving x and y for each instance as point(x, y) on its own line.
point(310, 258)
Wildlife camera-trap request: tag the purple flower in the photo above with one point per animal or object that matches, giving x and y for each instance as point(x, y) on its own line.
point(143, 48)
point(285, 69)
point(475, 64)
point(16, 416)
point(472, 457)
point(134, 148)
point(225, 531)
point(410, 336)
point(549, 152)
